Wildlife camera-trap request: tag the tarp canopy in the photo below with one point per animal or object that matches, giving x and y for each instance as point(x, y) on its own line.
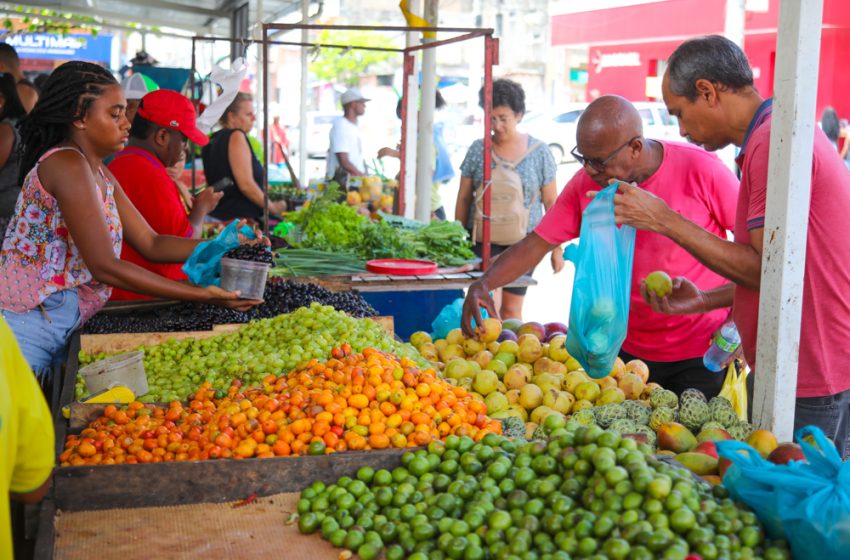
point(201, 17)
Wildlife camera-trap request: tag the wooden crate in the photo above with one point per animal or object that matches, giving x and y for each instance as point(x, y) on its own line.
point(215, 480)
point(104, 487)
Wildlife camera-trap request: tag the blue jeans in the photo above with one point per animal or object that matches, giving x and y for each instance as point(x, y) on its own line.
point(831, 414)
point(43, 333)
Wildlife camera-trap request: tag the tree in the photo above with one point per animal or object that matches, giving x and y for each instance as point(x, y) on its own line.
point(346, 66)
point(33, 20)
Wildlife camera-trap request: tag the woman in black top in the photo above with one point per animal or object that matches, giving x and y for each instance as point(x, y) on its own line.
point(229, 155)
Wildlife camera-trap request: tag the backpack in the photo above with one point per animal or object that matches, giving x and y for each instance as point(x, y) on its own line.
point(508, 214)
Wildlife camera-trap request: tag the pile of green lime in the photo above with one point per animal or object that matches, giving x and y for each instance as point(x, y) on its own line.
point(583, 493)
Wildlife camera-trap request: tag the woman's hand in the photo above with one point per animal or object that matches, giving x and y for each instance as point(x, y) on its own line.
point(231, 300)
point(277, 207)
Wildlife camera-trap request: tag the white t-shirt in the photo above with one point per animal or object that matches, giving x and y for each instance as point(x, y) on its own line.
point(344, 138)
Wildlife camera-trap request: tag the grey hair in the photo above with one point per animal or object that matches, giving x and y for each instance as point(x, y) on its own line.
point(714, 58)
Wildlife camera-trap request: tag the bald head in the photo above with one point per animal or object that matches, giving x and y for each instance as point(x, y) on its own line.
point(610, 143)
point(609, 119)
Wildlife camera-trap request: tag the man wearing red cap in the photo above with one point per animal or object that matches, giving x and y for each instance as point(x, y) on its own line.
point(163, 124)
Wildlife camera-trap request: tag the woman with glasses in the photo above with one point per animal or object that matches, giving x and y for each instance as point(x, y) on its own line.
point(535, 167)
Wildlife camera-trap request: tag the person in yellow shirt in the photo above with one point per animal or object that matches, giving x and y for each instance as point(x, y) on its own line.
point(26, 434)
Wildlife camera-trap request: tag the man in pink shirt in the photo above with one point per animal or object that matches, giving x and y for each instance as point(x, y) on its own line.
point(709, 87)
point(611, 146)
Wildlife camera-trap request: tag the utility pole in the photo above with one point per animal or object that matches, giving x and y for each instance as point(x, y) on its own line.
point(411, 115)
point(425, 145)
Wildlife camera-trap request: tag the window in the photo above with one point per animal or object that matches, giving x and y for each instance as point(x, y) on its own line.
point(666, 118)
point(646, 115)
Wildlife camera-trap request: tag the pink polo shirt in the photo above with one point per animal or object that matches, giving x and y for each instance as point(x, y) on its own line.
point(697, 185)
point(825, 327)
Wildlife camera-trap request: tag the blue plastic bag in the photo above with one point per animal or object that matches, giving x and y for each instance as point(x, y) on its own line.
point(599, 310)
point(807, 503)
point(449, 318)
point(203, 267)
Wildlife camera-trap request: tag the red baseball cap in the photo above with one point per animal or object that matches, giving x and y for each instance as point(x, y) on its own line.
point(169, 109)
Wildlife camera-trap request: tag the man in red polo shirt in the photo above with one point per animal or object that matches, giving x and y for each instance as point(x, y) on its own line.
point(708, 85)
point(163, 124)
point(610, 144)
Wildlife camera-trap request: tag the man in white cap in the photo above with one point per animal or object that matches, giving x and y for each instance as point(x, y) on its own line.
point(345, 154)
point(135, 87)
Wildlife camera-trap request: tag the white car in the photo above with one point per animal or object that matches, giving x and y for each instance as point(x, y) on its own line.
point(558, 128)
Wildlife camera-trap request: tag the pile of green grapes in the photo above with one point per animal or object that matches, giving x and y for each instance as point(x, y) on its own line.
point(270, 346)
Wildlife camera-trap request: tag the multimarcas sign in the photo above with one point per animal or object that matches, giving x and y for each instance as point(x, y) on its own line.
point(49, 46)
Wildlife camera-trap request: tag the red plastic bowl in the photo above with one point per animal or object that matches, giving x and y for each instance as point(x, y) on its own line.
point(401, 267)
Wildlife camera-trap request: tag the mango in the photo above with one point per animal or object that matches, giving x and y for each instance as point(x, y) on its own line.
point(714, 434)
point(698, 463)
point(707, 447)
point(785, 453)
point(763, 441)
point(674, 437)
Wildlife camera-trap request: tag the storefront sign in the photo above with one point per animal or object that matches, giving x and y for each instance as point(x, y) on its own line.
point(615, 60)
point(70, 47)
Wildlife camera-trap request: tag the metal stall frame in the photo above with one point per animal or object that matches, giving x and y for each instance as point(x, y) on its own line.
point(491, 57)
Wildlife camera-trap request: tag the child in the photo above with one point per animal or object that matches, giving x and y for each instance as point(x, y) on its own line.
point(61, 251)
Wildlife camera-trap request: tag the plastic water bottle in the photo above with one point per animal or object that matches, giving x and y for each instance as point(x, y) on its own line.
point(725, 344)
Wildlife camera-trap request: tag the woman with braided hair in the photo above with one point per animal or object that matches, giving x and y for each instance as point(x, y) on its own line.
point(61, 251)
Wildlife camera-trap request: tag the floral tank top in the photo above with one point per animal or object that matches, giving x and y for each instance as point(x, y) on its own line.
point(38, 257)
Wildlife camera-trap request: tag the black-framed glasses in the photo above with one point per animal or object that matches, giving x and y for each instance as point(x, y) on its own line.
point(597, 163)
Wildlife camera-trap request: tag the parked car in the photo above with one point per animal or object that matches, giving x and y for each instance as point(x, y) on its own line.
point(319, 125)
point(558, 128)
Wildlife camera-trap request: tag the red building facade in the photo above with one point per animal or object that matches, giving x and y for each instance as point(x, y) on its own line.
point(628, 46)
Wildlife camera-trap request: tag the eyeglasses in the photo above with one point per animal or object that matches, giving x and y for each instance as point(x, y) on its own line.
point(597, 163)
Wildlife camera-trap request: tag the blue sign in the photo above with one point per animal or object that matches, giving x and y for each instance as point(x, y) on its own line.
point(56, 47)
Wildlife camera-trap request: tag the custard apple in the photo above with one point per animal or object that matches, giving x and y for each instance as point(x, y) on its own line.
point(712, 425)
point(740, 431)
point(692, 394)
point(607, 413)
point(661, 415)
point(623, 425)
point(724, 416)
point(637, 412)
point(719, 402)
point(693, 414)
point(663, 397)
point(585, 417)
point(539, 433)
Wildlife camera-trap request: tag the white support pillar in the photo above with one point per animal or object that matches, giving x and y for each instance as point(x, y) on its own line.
point(302, 100)
point(425, 144)
point(412, 121)
point(735, 16)
point(787, 214)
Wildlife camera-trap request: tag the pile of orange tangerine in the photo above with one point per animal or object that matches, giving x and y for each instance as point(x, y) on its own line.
point(351, 402)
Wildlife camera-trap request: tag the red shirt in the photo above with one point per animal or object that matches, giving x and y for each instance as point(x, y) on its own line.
point(148, 186)
point(697, 185)
point(825, 325)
